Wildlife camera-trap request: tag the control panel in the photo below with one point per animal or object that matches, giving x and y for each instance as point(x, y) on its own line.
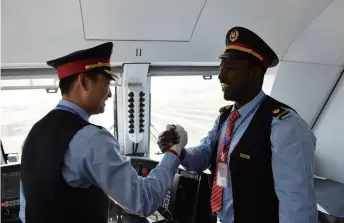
point(188, 198)
point(136, 115)
point(117, 214)
point(10, 192)
point(133, 100)
point(143, 165)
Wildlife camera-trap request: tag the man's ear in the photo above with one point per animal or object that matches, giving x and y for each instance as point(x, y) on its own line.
point(257, 72)
point(83, 81)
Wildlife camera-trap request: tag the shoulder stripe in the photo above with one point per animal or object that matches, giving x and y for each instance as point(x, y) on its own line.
point(280, 113)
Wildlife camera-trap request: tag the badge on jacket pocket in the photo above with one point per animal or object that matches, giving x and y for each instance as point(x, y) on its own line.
point(245, 156)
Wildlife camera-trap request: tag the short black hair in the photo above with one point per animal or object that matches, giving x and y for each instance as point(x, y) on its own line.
point(66, 84)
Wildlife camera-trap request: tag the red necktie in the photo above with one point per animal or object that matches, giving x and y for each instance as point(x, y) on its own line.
point(216, 194)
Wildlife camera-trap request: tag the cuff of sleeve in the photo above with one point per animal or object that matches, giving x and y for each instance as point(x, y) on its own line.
point(172, 151)
point(170, 160)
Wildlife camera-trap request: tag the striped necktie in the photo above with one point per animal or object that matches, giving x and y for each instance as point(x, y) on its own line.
point(216, 194)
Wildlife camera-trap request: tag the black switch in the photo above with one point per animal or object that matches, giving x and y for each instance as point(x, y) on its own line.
point(131, 126)
point(142, 110)
point(131, 131)
point(131, 100)
point(131, 105)
point(142, 125)
point(142, 94)
point(142, 99)
point(131, 111)
point(142, 120)
point(142, 105)
point(131, 116)
point(131, 121)
point(131, 94)
point(141, 130)
point(142, 115)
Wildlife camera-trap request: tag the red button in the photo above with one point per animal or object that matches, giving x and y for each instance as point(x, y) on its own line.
point(145, 171)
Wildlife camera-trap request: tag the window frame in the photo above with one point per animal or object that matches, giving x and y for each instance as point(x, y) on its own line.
point(114, 131)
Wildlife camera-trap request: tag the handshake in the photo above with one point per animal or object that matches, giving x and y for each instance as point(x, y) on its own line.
point(173, 138)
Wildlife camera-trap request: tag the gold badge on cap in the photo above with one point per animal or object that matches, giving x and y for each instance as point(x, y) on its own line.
point(234, 35)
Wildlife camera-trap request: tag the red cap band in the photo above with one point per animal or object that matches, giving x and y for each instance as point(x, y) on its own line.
point(77, 67)
point(247, 49)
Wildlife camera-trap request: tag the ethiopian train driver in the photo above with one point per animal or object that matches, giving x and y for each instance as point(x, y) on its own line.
point(260, 151)
point(70, 167)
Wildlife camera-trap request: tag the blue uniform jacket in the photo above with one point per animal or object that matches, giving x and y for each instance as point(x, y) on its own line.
point(293, 156)
point(84, 166)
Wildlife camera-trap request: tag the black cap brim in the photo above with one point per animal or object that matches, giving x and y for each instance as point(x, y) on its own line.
point(109, 74)
point(224, 55)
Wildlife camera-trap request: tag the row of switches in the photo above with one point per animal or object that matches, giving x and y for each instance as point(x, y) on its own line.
point(131, 111)
point(142, 105)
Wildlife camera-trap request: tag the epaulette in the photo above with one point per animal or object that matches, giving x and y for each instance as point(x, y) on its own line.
point(224, 108)
point(280, 113)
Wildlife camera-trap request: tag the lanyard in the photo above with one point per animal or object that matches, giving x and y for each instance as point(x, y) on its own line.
point(227, 141)
point(68, 109)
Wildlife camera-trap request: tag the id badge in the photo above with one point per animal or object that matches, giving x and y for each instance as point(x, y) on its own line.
point(221, 177)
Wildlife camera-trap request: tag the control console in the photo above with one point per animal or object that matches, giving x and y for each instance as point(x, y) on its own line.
point(117, 214)
point(10, 192)
point(143, 165)
point(188, 198)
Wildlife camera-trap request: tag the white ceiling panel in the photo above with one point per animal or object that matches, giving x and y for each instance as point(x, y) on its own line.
point(54, 28)
point(322, 41)
point(276, 21)
point(158, 20)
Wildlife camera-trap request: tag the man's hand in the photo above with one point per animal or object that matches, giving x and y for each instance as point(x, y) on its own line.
point(183, 140)
point(168, 138)
point(174, 137)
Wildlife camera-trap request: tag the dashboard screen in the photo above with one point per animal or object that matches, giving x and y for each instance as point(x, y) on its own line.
point(10, 185)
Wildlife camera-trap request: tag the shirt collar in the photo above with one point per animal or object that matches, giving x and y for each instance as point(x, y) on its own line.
point(244, 110)
point(83, 114)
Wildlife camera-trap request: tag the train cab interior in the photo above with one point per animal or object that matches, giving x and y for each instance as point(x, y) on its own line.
point(166, 57)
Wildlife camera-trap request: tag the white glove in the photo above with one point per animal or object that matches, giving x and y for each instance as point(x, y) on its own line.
point(183, 138)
